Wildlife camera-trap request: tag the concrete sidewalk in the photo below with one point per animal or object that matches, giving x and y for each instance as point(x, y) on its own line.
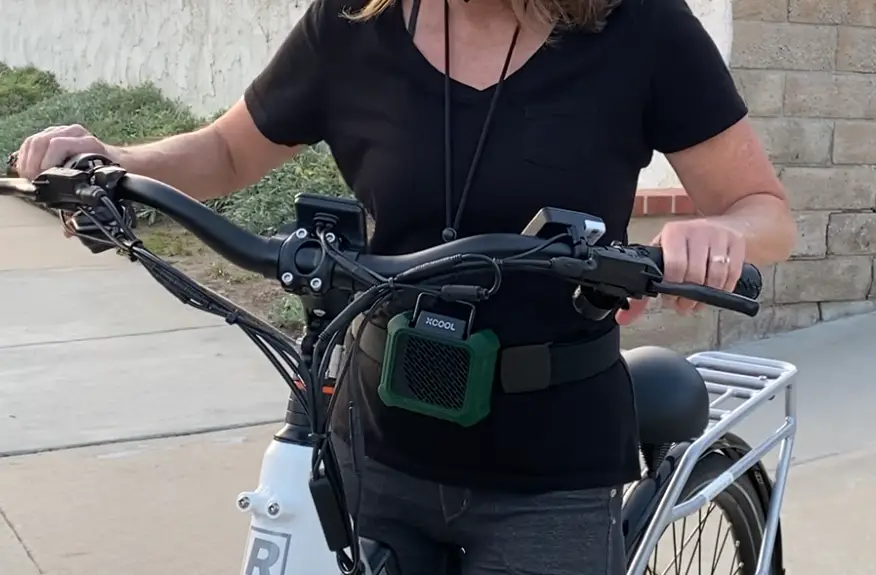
point(93, 352)
point(92, 349)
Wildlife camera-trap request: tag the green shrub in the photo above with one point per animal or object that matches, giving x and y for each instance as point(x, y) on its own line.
point(287, 313)
point(31, 100)
point(21, 88)
point(262, 208)
point(113, 114)
point(128, 115)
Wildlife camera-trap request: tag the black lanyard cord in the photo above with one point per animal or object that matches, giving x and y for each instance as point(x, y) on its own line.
point(452, 221)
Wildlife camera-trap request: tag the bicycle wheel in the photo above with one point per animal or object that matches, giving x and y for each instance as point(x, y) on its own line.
point(722, 538)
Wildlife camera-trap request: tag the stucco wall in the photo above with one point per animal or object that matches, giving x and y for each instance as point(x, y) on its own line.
point(201, 51)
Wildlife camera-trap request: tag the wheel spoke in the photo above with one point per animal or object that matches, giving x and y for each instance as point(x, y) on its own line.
point(738, 516)
point(685, 541)
point(720, 551)
point(681, 538)
point(698, 548)
point(735, 563)
point(656, 547)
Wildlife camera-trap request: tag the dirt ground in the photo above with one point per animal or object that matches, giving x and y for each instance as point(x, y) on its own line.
point(259, 295)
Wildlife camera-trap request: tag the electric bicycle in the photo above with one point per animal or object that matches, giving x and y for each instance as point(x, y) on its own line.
point(300, 522)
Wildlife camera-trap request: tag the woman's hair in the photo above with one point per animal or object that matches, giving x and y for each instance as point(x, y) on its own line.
point(582, 14)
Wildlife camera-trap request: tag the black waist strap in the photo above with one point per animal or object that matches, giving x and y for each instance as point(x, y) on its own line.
point(525, 368)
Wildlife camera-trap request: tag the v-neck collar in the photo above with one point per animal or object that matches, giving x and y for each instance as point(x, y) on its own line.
point(402, 44)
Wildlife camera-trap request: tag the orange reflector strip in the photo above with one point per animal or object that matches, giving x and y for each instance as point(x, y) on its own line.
point(326, 389)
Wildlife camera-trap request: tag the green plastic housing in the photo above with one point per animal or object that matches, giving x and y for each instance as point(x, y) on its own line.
point(437, 376)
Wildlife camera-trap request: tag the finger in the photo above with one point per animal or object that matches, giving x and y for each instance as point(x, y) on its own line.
point(66, 130)
point(718, 262)
point(717, 265)
point(31, 155)
point(76, 130)
point(697, 256)
point(33, 149)
point(736, 253)
point(635, 311)
point(21, 159)
point(675, 259)
point(62, 147)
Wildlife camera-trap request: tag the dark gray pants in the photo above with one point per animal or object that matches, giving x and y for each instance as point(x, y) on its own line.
point(426, 524)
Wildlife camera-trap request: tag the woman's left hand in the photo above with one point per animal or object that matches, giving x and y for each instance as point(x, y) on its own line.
point(703, 251)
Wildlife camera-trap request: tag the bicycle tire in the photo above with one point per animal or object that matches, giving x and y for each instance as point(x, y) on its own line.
point(740, 503)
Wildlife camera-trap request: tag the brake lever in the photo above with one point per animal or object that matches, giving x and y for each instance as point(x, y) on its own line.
point(748, 285)
point(12, 184)
point(17, 187)
point(62, 188)
point(90, 233)
point(709, 296)
point(55, 188)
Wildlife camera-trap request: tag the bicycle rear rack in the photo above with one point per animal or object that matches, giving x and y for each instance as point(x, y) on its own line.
point(730, 377)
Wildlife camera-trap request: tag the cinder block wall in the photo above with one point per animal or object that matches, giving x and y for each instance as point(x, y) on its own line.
point(807, 69)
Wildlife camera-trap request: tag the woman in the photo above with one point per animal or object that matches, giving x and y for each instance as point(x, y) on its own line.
point(458, 118)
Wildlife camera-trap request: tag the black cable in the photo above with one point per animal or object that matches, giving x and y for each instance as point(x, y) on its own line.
point(497, 270)
point(195, 295)
point(273, 348)
point(280, 350)
point(325, 356)
point(352, 362)
point(342, 372)
point(351, 266)
point(542, 247)
point(452, 222)
point(269, 353)
point(449, 233)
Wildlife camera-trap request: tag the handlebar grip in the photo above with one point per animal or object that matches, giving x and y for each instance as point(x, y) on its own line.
point(749, 284)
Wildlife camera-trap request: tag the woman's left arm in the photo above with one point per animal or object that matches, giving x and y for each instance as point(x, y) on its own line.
point(745, 214)
point(696, 117)
point(732, 183)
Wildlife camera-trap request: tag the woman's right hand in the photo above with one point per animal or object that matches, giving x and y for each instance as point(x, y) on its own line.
point(53, 145)
point(49, 148)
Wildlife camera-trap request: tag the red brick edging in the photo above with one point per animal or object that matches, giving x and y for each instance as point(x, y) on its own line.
point(665, 202)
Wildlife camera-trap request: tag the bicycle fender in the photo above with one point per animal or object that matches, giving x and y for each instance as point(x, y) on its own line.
point(735, 447)
point(642, 499)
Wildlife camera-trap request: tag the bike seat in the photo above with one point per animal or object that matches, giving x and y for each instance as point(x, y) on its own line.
point(671, 397)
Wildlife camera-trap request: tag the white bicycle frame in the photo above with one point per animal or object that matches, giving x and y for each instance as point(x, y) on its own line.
point(286, 538)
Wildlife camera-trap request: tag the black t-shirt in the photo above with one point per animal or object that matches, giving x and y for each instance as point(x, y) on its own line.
point(572, 129)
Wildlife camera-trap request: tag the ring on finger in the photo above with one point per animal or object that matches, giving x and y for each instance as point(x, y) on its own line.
point(722, 259)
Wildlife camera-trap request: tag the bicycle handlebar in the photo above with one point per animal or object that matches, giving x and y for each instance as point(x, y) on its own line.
point(273, 257)
point(296, 258)
point(327, 252)
point(242, 248)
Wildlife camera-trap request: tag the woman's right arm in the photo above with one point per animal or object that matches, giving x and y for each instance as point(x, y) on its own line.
point(282, 109)
point(216, 160)
point(226, 156)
